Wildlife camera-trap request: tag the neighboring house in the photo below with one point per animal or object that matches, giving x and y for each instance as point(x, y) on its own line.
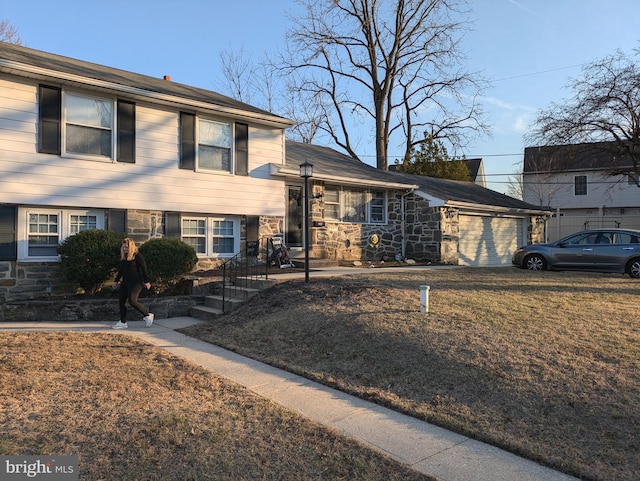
point(574, 181)
point(476, 171)
point(86, 146)
point(360, 212)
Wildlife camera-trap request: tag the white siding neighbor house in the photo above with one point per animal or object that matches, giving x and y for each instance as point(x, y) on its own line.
point(575, 182)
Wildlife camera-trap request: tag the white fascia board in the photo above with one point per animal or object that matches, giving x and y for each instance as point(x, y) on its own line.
point(468, 206)
point(24, 70)
point(433, 201)
point(283, 171)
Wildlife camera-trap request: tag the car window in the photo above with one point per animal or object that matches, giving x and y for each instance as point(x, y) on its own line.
point(605, 238)
point(582, 239)
point(623, 238)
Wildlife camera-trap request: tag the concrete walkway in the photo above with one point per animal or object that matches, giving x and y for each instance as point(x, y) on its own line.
point(428, 449)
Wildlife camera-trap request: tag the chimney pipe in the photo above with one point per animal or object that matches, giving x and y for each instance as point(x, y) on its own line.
point(167, 78)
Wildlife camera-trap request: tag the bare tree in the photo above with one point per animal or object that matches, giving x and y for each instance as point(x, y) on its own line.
point(604, 112)
point(9, 33)
point(395, 63)
point(238, 72)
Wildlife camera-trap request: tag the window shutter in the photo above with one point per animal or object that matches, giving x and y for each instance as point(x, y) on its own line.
point(8, 243)
point(172, 228)
point(126, 135)
point(50, 111)
point(117, 220)
point(242, 149)
point(187, 141)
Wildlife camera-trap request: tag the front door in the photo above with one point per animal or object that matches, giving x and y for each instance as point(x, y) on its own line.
point(294, 231)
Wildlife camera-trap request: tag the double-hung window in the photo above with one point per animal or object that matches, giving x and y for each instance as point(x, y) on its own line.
point(88, 124)
point(214, 146)
point(208, 145)
point(354, 205)
point(212, 236)
point(84, 125)
point(44, 229)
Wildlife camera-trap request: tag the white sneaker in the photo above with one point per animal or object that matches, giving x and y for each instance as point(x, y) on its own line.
point(120, 325)
point(148, 319)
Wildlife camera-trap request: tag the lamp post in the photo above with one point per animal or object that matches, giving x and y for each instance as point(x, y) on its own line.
point(306, 171)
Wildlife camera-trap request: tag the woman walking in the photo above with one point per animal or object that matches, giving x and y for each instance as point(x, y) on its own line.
point(134, 274)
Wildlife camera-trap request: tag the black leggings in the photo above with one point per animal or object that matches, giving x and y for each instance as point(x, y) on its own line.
point(130, 292)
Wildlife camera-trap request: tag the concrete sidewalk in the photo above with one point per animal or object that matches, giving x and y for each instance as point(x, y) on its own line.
point(428, 449)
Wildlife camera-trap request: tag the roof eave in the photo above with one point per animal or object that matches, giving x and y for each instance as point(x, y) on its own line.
point(284, 171)
point(39, 73)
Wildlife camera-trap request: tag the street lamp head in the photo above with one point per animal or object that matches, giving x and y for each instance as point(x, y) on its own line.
point(306, 170)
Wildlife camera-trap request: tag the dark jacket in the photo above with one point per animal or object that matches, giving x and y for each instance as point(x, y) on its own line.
point(133, 272)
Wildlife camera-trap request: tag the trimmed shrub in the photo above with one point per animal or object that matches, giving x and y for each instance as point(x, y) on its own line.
point(90, 258)
point(167, 260)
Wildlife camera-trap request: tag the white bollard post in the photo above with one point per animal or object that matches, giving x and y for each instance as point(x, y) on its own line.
point(424, 298)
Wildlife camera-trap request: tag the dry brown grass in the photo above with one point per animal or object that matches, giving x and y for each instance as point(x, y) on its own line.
point(131, 411)
point(546, 364)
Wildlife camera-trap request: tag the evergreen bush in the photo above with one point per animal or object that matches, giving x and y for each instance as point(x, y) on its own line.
point(90, 258)
point(167, 260)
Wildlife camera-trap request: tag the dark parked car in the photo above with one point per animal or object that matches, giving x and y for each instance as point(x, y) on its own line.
point(601, 250)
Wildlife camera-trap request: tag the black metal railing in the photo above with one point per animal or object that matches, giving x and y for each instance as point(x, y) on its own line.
point(240, 271)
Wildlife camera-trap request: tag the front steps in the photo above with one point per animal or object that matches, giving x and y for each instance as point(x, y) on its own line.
point(234, 297)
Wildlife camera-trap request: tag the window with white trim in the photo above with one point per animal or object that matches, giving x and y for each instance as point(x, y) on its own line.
point(212, 236)
point(215, 140)
point(88, 125)
point(42, 230)
point(359, 206)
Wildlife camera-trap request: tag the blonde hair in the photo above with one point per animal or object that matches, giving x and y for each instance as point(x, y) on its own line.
point(133, 250)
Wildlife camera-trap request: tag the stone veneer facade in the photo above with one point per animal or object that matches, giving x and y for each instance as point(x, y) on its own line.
point(430, 234)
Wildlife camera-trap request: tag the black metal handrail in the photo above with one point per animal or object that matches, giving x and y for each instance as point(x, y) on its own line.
point(240, 270)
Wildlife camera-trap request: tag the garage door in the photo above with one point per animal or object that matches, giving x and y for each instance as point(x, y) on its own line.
point(488, 241)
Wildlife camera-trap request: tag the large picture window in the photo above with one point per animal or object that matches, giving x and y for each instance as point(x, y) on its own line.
point(42, 230)
point(358, 206)
point(212, 236)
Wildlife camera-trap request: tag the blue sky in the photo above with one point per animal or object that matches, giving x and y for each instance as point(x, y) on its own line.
point(529, 49)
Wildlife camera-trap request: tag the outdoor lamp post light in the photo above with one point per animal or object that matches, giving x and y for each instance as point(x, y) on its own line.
point(306, 171)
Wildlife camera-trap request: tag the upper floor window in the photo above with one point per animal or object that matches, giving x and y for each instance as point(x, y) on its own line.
point(76, 124)
point(214, 146)
point(580, 185)
point(88, 125)
point(354, 205)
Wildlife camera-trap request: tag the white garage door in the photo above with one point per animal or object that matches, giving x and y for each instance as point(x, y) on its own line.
point(488, 241)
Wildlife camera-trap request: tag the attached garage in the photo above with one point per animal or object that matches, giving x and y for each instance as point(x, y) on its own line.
point(488, 241)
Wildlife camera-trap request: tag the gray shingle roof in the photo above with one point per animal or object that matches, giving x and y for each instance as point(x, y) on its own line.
point(67, 65)
point(575, 157)
point(330, 162)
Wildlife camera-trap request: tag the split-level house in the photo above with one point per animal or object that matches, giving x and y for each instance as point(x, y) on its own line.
point(575, 181)
point(85, 146)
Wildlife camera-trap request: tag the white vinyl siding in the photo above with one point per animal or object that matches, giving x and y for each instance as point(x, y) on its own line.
point(154, 182)
point(487, 241)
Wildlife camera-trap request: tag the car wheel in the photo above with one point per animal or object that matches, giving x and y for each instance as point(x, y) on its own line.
point(535, 262)
point(633, 268)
